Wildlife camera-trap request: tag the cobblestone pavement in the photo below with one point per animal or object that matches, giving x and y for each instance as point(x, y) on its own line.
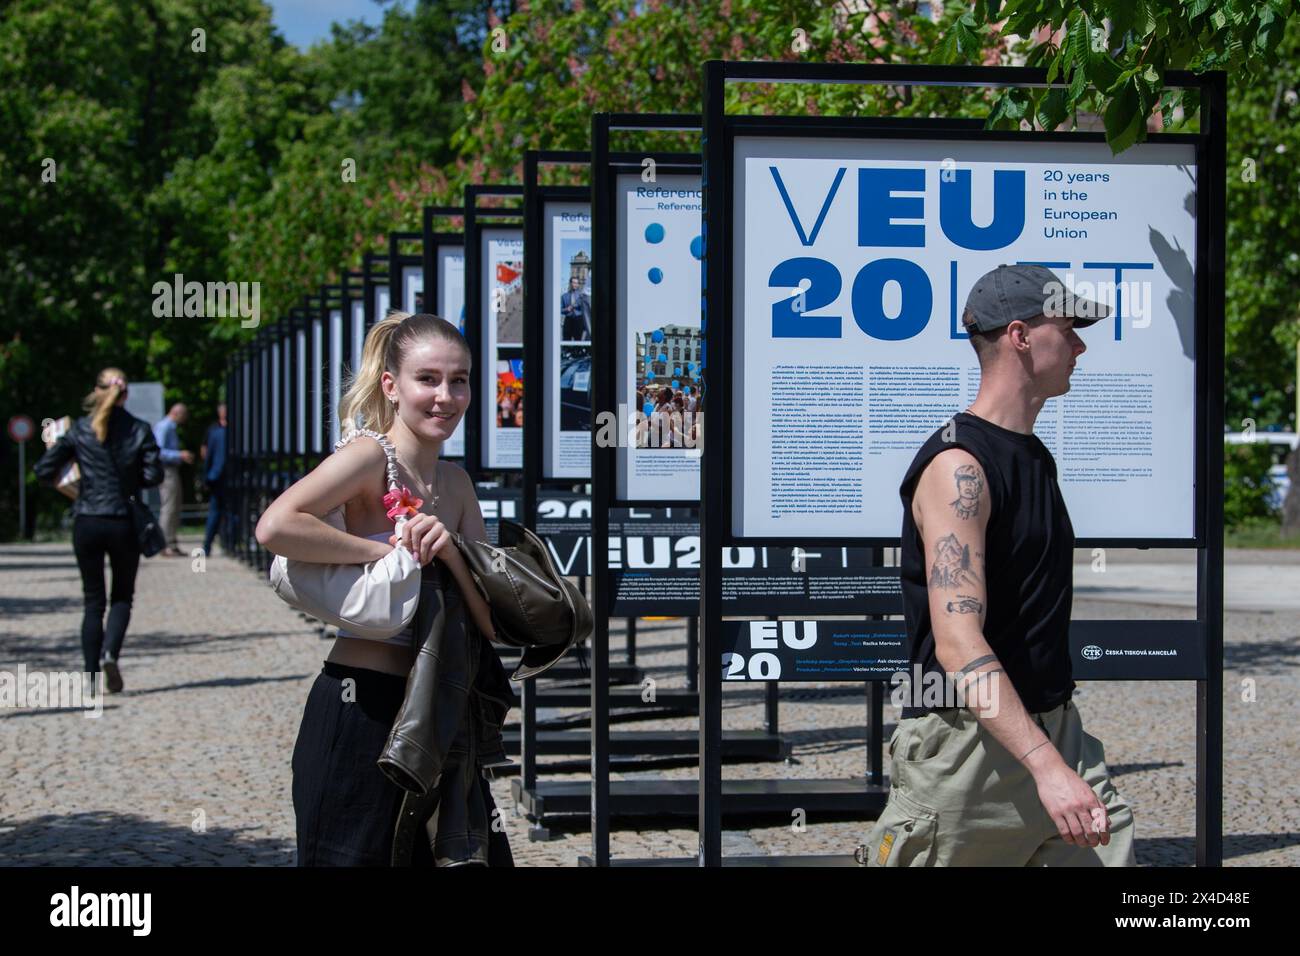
point(190, 765)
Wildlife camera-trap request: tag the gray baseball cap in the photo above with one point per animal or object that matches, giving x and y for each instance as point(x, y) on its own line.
point(1011, 293)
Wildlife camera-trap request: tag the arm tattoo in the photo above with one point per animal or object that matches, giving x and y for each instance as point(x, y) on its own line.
point(952, 564)
point(978, 662)
point(965, 604)
point(970, 483)
point(983, 674)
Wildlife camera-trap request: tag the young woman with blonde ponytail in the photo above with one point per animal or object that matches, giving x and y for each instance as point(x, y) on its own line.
point(411, 391)
point(117, 456)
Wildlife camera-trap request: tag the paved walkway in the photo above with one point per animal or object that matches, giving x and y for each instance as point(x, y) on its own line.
point(191, 764)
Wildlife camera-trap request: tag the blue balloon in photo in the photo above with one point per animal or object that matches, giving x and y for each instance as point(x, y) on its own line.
point(656, 276)
point(654, 232)
point(663, 357)
point(648, 409)
point(657, 335)
point(697, 247)
point(676, 384)
point(677, 371)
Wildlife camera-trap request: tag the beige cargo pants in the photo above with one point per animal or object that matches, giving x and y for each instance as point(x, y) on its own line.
point(958, 798)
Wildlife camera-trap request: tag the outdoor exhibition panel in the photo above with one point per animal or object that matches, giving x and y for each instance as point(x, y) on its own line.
point(494, 310)
point(838, 254)
point(647, 218)
point(441, 291)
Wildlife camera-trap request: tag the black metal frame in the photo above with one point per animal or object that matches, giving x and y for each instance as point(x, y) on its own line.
point(431, 245)
point(432, 240)
point(604, 378)
point(331, 299)
point(474, 309)
point(535, 198)
point(372, 278)
point(605, 462)
point(397, 260)
point(716, 530)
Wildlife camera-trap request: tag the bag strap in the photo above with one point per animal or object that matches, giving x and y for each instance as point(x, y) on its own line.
point(389, 451)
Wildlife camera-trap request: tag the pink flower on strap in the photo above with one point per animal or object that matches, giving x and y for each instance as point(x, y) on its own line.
point(402, 503)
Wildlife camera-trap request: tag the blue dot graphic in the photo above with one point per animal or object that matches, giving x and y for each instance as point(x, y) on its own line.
point(697, 247)
point(654, 232)
point(656, 276)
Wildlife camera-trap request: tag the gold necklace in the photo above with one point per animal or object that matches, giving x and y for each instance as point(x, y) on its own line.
point(431, 495)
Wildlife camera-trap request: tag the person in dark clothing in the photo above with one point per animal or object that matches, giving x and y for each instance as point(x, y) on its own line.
point(117, 456)
point(213, 453)
point(990, 764)
point(575, 310)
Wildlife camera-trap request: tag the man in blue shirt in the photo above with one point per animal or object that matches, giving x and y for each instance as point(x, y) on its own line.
point(213, 453)
point(173, 456)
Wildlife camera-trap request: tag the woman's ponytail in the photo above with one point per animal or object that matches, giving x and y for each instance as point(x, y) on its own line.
point(363, 404)
point(109, 386)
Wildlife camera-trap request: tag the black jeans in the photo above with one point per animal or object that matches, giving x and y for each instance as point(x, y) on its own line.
point(94, 536)
point(218, 517)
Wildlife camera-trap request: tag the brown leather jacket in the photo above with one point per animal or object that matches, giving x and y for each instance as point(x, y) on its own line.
point(448, 730)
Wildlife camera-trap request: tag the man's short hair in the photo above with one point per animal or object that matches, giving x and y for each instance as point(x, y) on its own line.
point(984, 343)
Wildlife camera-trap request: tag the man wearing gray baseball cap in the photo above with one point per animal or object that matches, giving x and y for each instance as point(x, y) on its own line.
point(996, 768)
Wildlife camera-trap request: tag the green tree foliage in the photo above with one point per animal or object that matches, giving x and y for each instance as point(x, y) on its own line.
point(1115, 54)
point(1246, 483)
point(99, 103)
point(1263, 244)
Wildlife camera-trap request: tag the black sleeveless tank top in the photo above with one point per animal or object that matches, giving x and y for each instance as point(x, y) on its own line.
point(1028, 559)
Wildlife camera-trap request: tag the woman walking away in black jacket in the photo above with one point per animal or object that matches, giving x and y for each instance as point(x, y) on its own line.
point(117, 456)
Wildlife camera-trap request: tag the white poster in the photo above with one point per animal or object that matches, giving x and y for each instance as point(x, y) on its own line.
point(245, 419)
point(566, 324)
point(412, 285)
point(853, 259)
point(501, 252)
point(275, 397)
point(300, 341)
point(335, 372)
point(316, 371)
point(451, 306)
point(660, 343)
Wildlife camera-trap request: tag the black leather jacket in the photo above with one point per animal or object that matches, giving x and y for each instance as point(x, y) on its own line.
point(135, 458)
point(448, 730)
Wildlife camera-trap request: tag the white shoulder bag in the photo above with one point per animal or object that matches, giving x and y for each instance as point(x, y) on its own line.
point(375, 600)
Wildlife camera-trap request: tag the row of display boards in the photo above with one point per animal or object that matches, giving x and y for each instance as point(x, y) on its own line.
point(820, 263)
